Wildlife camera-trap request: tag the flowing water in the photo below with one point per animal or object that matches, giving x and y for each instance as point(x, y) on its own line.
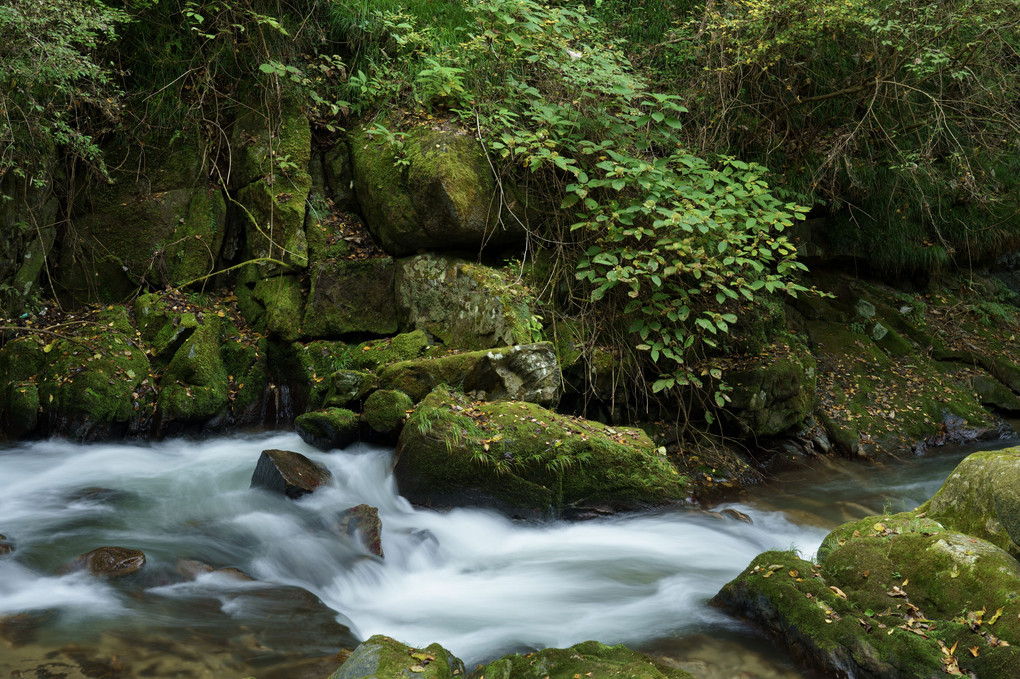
point(476, 582)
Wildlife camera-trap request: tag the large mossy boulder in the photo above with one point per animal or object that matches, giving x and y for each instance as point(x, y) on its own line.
point(385, 412)
point(773, 393)
point(982, 498)
point(195, 386)
point(86, 387)
point(385, 658)
point(520, 373)
point(349, 297)
point(272, 304)
point(588, 659)
point(895, 596)
point(526, 460)
point(161, 222)
point(272, 146)
point(464, 305)
point(432, 189)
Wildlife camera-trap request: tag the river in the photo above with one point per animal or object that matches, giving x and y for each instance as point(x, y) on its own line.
point(472, 580)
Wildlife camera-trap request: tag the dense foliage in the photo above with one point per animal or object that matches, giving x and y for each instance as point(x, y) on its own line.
point(640, 131)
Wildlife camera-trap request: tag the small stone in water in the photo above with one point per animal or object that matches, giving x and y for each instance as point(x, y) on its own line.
point(109, 561)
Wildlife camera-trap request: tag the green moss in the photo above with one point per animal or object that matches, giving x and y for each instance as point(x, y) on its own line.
point(528, 457)
point(387, 658)
point(771, 396)
point(310, 366)
point(385, 410)
point(329, 428)
point(195, 385)
point(346, 386)
point(377, 353)
point(588, 659)
point(982, 498)
point(351, 297)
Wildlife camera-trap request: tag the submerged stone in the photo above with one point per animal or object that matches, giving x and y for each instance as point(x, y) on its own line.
point(384, 658)
point(289, 473)
point(6, 546)
point(109, 561)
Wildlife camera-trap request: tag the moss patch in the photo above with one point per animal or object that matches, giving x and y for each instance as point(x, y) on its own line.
point(383, 657)
point(385, 411)
point(588, 659)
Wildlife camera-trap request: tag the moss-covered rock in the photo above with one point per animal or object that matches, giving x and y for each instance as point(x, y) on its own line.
point(464, 305)
point(195, 389)
point(89, 386)
point(349, 386)
point(588, 659)
point(385, 412)
point(164, 224)
point(982, 498)
point(271, 153)
point(433, 189)
point(328, 429)
point(995, 394)
point(351, 297)
point(385, 658)
point(521, 373)
point(403, 347)
point(525, 459)
point(772, 394)
point(307, 369)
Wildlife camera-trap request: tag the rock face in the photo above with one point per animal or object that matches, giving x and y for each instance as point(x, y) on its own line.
point(351, 297)
point(465, 305)
point(982, 498)
point(362, 522)
point(771, 397)
point(588, 659)
point(895, 595)
point(526, 460)
point(289, 473)
point(328, 429)
point(109, 562)
point(523, 373)
point(382, 657)
point(441, 194)
point(161, 222)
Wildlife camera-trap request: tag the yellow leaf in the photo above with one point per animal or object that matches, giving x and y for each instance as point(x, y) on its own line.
point(837, 591)
point(998, 613)
point(973, 651)
point(417, 668)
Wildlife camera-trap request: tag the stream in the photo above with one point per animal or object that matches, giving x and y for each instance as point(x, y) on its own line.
point(478, 583)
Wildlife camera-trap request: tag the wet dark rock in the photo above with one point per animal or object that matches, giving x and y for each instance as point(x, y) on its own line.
point(737, 515)
point(6, 546)
point(289, 473)
point(363, 524)
point(108, 562)
point(191, 568)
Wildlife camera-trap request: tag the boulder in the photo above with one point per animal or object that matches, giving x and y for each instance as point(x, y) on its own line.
point(362, 523)
point(6, 546)
point(588, 659)
point(385, 412)
point(161, 222)
point(351, 297)
point(107, 562)
point(982, 498)
point(347, 386)
point(995, 394)
point(273, 304)
point(432, 189)
point(385, 658)
point(527, 372)
point(464, 305)
point(526, 460)
point(894, 596)
point(771, 396)
point(328, 429)
point(378, 353)
point(195, 387)
point(272, 182)
point(88, 387)
point(289, 473)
